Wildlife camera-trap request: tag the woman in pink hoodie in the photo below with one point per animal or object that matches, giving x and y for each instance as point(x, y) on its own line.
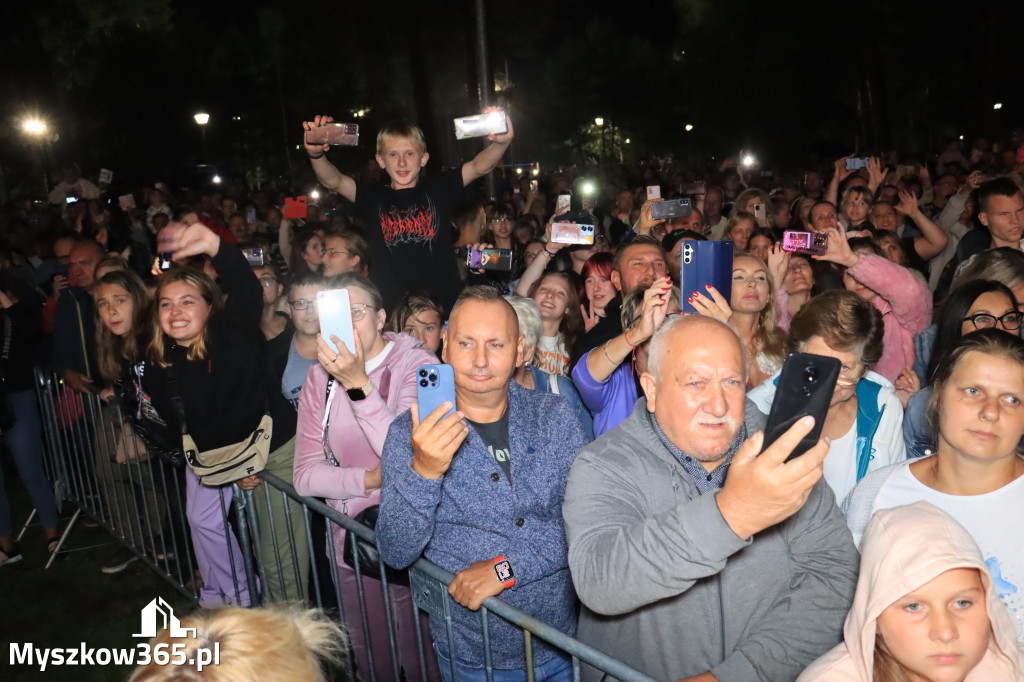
point(904, 301)
point(346, 406)
point(926, 608)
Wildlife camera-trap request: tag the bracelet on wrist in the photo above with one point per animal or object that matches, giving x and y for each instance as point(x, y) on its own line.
point(318, 156)
point(550, 255)
point(625, 335)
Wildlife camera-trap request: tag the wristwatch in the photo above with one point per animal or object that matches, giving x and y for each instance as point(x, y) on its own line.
point(503, 569)
point(360, 393)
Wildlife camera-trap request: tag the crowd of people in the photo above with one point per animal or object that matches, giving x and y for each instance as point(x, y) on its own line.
point(601, 466)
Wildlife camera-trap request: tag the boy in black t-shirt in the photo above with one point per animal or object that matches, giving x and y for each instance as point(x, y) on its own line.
point(409, 221)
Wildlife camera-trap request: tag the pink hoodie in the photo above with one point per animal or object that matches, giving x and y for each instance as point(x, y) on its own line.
point(904, 548)
point(906, 306)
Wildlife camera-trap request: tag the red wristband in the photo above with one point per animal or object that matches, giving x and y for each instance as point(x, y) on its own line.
point(503, 569)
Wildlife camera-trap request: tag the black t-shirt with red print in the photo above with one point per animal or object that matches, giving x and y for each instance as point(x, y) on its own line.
point(410, 236)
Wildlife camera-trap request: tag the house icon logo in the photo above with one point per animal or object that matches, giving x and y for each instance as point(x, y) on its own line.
point(158, 615)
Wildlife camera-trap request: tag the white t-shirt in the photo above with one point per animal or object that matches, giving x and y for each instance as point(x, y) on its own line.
point(551, 355)
point(840, 466)
point(994, 520)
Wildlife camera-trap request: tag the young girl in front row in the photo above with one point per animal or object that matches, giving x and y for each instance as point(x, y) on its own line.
point(926, 608)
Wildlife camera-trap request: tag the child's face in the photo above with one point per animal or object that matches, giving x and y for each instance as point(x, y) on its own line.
point(940, 631)
point(402, 159)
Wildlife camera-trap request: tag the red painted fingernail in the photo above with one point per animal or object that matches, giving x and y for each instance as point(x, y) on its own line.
point(707, 286)
point(694, 294)
point(690, 299)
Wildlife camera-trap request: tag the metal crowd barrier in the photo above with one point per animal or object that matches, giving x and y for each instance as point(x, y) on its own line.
point(280, 546)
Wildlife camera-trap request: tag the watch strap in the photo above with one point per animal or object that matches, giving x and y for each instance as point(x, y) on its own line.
point(360, 393)
point(503, 570)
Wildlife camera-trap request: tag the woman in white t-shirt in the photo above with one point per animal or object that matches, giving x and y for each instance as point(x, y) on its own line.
point(976, 474)
point(865, 418)
point(559, 302)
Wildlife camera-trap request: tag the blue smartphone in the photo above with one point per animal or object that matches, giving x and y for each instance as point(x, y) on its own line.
point(435, 386)
point(335, 309)
point(703, 263)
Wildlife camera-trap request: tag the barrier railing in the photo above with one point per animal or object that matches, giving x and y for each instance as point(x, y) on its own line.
point(272, 544)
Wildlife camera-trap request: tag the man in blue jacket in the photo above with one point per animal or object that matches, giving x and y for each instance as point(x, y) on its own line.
point(480, 492)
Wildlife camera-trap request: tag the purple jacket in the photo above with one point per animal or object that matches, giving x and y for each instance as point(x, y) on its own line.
point(610, 401)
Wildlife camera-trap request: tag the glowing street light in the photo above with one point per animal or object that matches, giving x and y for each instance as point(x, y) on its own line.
point(34, 126)
point(599, 121)
point(202, 119)
point(688, 127)
point(314, 195)
point(997, 105)
point(216, 179)
point(588, 188)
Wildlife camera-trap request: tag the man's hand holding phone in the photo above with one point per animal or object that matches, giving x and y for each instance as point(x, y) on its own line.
point(435, 441)
point(763, 490)
point(647, 222)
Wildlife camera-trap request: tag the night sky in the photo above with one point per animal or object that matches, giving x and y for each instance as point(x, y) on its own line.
point(118, 81)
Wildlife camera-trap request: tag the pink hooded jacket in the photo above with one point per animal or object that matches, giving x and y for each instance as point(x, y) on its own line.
point(904, 548)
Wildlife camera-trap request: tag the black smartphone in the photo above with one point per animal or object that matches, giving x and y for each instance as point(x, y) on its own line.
point(165, 260)
point(673, 208)
point(805, 387)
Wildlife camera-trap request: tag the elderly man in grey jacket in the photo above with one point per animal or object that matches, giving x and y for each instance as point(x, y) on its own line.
point(695, 557)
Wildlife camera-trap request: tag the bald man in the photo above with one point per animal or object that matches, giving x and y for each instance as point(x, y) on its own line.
point(480, 492)
point(74, 351)
point(696, 558)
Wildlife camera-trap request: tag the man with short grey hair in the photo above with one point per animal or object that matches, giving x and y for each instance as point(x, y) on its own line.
point(696, 557)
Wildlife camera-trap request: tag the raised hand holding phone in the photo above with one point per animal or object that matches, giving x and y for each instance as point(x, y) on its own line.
point(347, 367)
point(436, 438)
point(317, 122)
point(335, 309)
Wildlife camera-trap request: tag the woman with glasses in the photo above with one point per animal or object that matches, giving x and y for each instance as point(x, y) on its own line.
point(865, 418)
point(347, 403)
point(606, 376)
point(974, 305)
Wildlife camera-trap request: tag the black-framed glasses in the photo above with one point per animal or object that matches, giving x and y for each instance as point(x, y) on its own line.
point(330, 252)
point(302, 303)
point(1011, 321)
point(267, 281)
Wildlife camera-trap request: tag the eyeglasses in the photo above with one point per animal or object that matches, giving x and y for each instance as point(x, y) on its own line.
point(330, 252)
point(499, 220)
point(359, 311)
point(301, 304)
point(1011, 321)
point(267, 282)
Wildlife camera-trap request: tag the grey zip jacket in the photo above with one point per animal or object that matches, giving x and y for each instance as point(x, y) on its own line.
point(668, 588)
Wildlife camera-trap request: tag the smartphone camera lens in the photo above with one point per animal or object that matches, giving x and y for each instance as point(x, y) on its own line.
point(423, 383)
point(423, 373)
point(810, 374)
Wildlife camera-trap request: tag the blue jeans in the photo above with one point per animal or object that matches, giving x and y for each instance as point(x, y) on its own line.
point(558, 669)
point(25, 441)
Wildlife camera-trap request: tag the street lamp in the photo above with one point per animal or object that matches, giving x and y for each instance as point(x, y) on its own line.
point(37, 128)
point(689, 127)
point(599, 121)
point(202, 119)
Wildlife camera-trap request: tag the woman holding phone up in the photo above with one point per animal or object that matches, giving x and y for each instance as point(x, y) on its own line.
point(346, 406)
point(213, 351)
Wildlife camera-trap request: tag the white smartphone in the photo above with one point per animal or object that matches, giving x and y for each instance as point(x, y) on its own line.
point(335, 311)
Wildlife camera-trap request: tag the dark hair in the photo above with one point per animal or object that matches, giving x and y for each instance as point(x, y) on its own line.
point(639, 240)
point(412, 304)
point(302, 239)
point(844, 321)
point(764, 232)
point(571, 327)
point(949, 321)
point(865, 243)
point(466, 213)
point(1003, 187)
point(988, 341)
point(306, 278)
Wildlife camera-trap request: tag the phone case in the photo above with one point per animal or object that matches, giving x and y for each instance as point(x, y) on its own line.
point(805, 387)
point(335, 311)
point(490, 259)
point(654, 191)
point(673, 208)
point(563, 204)
point(703, 263)
point(435, 385)
point(572, 233)
point(805, 242)
point(294, 207)
point(335, 134)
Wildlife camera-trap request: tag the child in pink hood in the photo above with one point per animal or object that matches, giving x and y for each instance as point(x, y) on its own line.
point(925, 608)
